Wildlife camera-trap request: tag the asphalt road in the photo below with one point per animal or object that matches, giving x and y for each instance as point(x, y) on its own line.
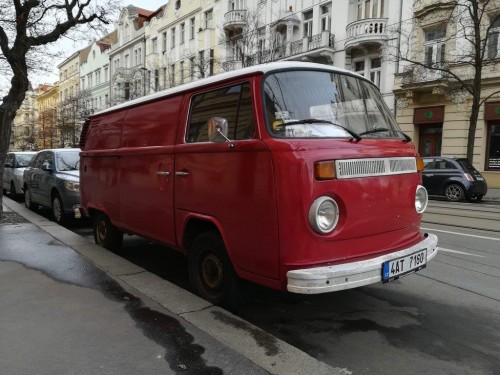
point(442, 320)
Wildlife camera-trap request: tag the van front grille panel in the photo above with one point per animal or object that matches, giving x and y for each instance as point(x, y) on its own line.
point(352, 168)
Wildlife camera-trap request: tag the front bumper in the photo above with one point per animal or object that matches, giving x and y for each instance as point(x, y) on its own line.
point(351, 275)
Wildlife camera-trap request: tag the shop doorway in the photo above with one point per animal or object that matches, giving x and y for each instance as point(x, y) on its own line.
point(430, 137)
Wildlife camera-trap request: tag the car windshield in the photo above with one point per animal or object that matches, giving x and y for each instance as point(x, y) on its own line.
point(318, 104)
point(68, 161)
point(22, 160)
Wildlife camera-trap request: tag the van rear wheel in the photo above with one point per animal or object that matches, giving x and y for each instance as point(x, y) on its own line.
point(211, 273)
point(106, 234)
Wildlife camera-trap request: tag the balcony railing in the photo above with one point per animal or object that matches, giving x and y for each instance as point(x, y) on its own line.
point(368, 31)
point(420, 74)
point(235, 19)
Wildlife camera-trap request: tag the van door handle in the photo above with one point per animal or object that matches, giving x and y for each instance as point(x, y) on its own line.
point(177, 173)
point(160, 173)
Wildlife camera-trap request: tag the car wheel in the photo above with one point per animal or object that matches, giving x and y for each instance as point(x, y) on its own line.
point(475, 198)
point(106, 234)
point(28, 199)
point(211, 273)
point(454, 192)
point(58, 210)
point(13, 192)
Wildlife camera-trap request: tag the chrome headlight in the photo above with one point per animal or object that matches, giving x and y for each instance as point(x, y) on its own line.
point(323, 215)
point(72, 186)
point(421, 199)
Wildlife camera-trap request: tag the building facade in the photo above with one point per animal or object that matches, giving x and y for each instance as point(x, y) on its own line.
point(127, 56)
point(94, 92)
point(434, 87)
point(24, 127)
point(47, 102)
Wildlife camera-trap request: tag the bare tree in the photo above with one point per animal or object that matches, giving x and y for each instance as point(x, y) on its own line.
point(252, 43)
point(457, 52)
point(27, 26)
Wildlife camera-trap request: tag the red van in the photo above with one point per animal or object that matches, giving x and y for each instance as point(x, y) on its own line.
point(291, 175)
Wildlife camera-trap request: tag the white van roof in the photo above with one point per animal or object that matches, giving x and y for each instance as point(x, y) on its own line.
point(262, 68)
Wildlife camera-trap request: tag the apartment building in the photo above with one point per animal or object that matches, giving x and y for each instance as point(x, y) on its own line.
point(24, 126)
point(128, 78)
point(182, 43)
point(47, 103)
point(95, 76)
point(434, 102)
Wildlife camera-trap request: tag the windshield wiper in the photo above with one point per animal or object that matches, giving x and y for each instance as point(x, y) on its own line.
point(318, 121)
point(380, 130)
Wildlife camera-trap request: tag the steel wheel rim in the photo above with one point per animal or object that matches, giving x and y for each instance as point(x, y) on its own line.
point(453, 192)
point(27, 198)
point(212, 273)
point(102, 231)
point(57, 209)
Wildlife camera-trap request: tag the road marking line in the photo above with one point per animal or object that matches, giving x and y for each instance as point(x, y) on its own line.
point(459, 252)
point(462, 234)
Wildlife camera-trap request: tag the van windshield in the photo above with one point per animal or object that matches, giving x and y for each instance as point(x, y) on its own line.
point(319, 104)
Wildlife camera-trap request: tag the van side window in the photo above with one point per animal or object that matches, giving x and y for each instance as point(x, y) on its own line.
point(233, 103)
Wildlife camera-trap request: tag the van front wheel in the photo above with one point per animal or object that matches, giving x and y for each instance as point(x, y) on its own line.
point(106, 234)
point(211, 273)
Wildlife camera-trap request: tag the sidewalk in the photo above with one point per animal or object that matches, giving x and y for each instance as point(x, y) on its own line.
point(493, 195)
point(69, 306)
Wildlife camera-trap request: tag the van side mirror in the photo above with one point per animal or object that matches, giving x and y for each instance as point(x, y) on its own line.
point(8, 165)
point(217, 130)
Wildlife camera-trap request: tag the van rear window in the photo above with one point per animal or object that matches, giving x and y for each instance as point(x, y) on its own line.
point(234, 103)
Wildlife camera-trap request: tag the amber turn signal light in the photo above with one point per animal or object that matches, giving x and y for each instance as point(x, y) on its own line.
point(324, 170)
point(420, 164)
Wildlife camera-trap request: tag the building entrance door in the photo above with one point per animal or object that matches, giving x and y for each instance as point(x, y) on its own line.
point(430, 140)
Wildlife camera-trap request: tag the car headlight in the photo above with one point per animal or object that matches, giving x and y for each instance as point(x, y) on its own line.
point(72, 186)
point(323, 215)
point(421, 199)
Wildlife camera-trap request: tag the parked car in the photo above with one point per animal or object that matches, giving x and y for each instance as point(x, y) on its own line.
point(15, 163)
point(52, 179)
point(453, 178)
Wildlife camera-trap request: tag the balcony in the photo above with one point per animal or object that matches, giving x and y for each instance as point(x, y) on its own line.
point(235, 19)
point(368, 31)
point(308, 48)
point(417, 75)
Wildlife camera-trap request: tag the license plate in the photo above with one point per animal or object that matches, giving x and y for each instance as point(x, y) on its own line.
point(393, 269)
point(480, 178)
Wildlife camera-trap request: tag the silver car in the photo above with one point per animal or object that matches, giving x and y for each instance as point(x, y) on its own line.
point(52, 180)
point(12, 179)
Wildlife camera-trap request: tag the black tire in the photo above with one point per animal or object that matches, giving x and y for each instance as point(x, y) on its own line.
point(58, 210)
point(28, 199)
point(475, 198)
point(13, 192)
point(106, 234)
point(211, 273)
point(454, 192)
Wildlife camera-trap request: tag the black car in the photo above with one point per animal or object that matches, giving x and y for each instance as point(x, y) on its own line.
point(453, 178)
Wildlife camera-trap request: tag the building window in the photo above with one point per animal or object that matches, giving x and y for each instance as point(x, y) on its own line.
point(191, 28)
point(126, 61)
point(183, 31)
point(201, 61)
point(164, 42)
point(164, 69)
point(209, 19)
point(211, 67)
point(370, 9)
point(434, 47)
point(154, 45)
point(127, 90)
point(375, 69)
point(493, 147)
point(157, 79)
point(326, 17)
point(308, 23)
point(172, 75)
point(494, 39)
point(191, 68)
point(236, 5)
point(172, 37)
point(182, 71)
